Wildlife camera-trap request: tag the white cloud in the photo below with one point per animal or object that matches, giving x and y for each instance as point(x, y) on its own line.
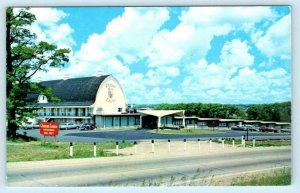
point(234, 78)
point(277, 40)
point(186, 40)
point(92, 50)
point(122, 42)
point(210, 16)
point(161, 76)
point(47, 16)
point(136, 36)
point(47, 27)
point(128, 35)
point(191, 38)
point(152, 95)
point(235, 54)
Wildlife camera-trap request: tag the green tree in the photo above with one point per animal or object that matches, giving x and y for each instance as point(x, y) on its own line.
point(25, 57)
point(270, 112)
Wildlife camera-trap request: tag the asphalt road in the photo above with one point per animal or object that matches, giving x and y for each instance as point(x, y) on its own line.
point(138, 135)
point(190, 169)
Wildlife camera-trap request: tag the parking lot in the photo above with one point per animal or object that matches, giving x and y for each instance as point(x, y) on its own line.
point(144, 135)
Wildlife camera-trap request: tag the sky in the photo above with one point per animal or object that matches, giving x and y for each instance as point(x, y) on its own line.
point(229, 55)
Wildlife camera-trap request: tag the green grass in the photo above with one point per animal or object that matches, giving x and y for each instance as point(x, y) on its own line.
point(185, 131)
point(37, 150)
point(278, 178)
point(267, 143)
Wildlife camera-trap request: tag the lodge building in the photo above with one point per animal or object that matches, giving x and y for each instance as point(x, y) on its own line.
point(100, 100)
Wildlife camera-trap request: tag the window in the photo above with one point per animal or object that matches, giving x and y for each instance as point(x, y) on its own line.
point(131, 121)
point(119, 109)
point(42, 99)
point(116, 121)
point(169, 119)
point(124, 121)
point(222, 124)
point(108, 121)
point(202, 124)
point(137, 120)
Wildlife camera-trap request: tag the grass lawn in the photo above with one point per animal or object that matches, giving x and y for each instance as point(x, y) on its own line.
point(185, 131)
point(37, 150)
point(278, 178)
point(249, 143)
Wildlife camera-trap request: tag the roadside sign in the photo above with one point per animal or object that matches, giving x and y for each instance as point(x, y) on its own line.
point(49, 128)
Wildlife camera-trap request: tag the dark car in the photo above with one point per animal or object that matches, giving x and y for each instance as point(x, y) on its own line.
point(238, 128)
point(286, 130)
point(87, 126)
point(252, 128)
point(268, 129)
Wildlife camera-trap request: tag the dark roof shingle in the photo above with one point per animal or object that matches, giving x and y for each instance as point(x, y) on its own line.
point(75, 89)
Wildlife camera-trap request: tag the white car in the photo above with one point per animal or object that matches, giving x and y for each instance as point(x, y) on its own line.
point(66, 126)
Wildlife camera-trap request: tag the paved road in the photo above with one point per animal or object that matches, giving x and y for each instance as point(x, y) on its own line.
point(189, 169)
point(95, 136)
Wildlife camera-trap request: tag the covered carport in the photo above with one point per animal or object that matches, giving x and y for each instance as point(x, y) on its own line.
point(155, 117)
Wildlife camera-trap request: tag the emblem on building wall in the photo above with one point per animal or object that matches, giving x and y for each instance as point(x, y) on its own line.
point(110, 92)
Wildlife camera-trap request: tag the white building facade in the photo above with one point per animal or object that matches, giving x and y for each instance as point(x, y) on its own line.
point(97, 100)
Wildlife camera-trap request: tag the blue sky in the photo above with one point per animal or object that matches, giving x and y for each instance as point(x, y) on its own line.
point(233, 55)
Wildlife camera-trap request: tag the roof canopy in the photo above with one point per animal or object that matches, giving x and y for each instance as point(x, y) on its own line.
point(161, 113)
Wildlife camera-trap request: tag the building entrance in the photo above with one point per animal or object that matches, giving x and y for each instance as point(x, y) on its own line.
point(149, 122)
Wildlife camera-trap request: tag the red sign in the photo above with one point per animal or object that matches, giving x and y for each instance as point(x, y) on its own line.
point(49, 128)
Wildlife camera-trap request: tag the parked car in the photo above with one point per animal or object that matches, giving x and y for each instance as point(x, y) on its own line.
point(268, 129)
point(252, 128)
point(286, 130)
point(32, 123)
point(245, 127)
point(87, 126)
point(67, 126)
point(238, 128)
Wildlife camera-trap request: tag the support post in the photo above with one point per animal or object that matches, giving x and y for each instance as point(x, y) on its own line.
point(253, 142)
point(247, 133)
point(71, 149)
point(184, 142)
point(95, 149)
point(152, 146)
point(135, 147)
point(159, 123)
point(210, 143)
point(141, 117)
point(232, 142)
point(117, 148)
point(223, 143)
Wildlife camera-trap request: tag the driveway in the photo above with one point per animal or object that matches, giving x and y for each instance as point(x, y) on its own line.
point(138, 135)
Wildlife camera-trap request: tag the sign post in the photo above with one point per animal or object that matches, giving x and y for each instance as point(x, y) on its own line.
point(49, 129)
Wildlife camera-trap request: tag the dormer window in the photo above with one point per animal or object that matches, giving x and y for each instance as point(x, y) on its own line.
point(42, 99)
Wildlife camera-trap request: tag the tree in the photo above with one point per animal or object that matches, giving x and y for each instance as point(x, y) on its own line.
point(25, 57)
point(270, 112)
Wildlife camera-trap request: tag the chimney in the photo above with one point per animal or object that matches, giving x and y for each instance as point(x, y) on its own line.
point(99, 73)
point(66, 77)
